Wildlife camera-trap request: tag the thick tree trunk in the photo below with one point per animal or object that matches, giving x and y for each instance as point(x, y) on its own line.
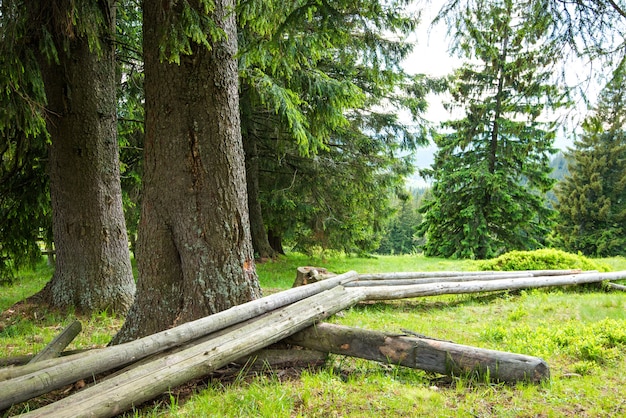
point(93, 270)
point(194, 250)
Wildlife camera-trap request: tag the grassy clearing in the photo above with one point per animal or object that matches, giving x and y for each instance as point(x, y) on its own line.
point(282, 273)
point(581, 333)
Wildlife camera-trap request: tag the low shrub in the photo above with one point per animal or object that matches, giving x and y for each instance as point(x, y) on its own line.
point(544, 259)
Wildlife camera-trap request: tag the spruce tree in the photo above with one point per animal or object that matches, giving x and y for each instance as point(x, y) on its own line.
point(321, 155)
point(592, 198)
point(491, 168)
point(57, 75)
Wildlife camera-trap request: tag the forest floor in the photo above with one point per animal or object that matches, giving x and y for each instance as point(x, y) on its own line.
point(579, 331)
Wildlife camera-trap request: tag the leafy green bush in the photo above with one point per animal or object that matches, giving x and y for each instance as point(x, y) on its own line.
point(544, 259)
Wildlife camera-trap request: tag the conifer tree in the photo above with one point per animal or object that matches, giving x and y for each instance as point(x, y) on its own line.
point(194, 250)
point(311, 122)
point(58, 84)
point(491, 168)
point(592, 198)
point(24, 205)
point(401, 237)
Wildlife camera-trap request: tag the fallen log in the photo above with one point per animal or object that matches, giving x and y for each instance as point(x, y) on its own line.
point(427, 280)
point(26, 358)
point(59, 343)
point(422, 353)
point(399, 279)
point(115, 395)
point(43, 381)
point(17, 371)
point(446, 288)
point(455, 274)
point(616, 286)
point(271, 359)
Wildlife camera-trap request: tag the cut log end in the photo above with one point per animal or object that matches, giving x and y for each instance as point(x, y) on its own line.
point(308, 274)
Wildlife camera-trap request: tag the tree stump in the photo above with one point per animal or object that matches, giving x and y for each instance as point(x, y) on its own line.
point(307, 274)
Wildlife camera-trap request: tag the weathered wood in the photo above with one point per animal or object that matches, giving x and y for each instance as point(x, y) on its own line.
point(427, 280)
point(421, 353)
point(140, 384)
point(433, 289)
point(26, 358)
point(17, 371)
point(616, 286)
point(40, 382)
point(454, 274)
point(58, 344)
point(270, 359)
point(308, 275)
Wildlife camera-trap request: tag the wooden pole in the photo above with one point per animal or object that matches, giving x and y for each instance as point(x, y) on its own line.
point(43, 381)
point(58, 344)
point(115, 395)
point(26, 358)
point(445, 288)
point(616, 286)
point(455, 274)
point(427, 280)
point(422, 353)
point(17, 371)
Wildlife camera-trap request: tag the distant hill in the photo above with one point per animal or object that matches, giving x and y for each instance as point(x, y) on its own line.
point(559, 166)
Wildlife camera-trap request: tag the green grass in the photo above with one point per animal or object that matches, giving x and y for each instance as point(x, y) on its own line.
point(281, 274)
point(579, 332)
point(27, 283)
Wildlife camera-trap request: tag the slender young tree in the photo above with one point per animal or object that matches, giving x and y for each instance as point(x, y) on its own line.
point(194, 249)
point(491, 168)
point(61, 61)
point(592, 198)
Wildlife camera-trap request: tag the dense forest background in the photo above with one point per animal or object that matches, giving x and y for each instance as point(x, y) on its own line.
point(323, 99)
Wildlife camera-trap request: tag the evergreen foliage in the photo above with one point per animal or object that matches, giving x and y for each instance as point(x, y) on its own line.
point(314, 79)
point(25, 218)
point(592, 199)
point(401, 236)
point(25, 213)
point(24, 210)
point(130, 109)
point(491, 170)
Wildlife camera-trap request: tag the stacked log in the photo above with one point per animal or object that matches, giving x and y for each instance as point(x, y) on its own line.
point(146, 381)
point(33, 381)
point(172, 357)
point(376, 289)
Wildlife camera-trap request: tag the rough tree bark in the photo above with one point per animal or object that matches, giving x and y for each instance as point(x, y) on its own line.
point(93, 270)
point(194, 250)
